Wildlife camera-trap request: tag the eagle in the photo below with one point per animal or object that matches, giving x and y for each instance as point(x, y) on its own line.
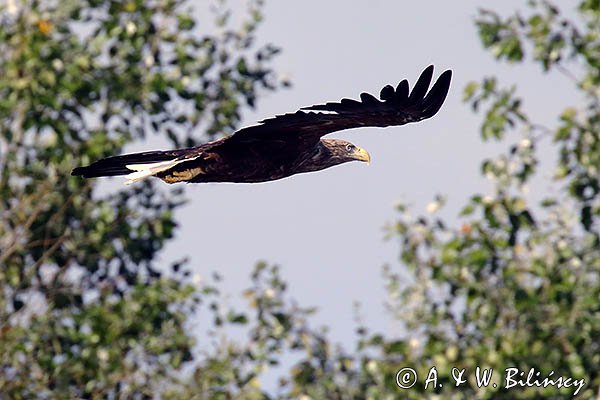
point(286, 144)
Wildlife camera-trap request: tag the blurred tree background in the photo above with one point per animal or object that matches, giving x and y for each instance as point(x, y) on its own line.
point(87, 313)
point(84, 309)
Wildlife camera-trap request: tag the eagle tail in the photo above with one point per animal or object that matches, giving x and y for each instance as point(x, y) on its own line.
point(135, 166)
point(143, 171)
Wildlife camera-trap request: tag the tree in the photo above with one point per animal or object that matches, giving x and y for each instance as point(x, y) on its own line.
point(515, 284)
point(85, 311)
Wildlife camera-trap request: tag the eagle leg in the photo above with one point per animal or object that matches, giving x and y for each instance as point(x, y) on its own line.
point(182, 176)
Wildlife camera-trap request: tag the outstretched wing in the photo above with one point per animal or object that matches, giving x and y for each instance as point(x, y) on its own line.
point(397, 106)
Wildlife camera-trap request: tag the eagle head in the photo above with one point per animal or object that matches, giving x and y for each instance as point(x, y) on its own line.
point(330, 152)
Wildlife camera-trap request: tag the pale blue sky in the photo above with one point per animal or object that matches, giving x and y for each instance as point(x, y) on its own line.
point(325, 229)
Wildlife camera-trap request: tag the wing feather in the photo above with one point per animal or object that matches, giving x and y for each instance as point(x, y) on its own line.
point(394, 107)
point(402, 92)
point(420, 90)
point(387, 93)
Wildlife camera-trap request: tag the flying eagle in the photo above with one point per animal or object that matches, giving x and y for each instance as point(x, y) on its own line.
point(286, 144)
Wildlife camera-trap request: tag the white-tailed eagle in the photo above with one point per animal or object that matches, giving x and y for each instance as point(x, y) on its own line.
point(286, 144)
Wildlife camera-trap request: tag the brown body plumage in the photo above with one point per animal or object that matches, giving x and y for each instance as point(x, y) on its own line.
point(286, 144)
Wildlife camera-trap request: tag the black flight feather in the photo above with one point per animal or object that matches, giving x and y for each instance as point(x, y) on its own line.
point(402, 92)
point(421, 87)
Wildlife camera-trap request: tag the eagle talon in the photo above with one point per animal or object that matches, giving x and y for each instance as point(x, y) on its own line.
point(180, 176)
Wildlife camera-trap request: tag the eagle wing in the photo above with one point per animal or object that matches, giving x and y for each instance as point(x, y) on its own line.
point(396, 106)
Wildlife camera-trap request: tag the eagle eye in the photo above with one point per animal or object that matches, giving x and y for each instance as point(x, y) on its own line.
point(350, 147)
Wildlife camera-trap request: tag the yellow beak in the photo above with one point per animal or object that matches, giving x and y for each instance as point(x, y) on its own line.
point(362, 155)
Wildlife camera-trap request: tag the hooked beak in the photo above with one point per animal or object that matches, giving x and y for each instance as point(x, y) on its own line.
point(362, 155)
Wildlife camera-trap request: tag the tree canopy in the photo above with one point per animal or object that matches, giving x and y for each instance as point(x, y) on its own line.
point(85, 310)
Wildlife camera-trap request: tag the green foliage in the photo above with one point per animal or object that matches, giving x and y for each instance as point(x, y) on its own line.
point(274, 326)
point(515, 284)
point(104, 347)
point(85, 310)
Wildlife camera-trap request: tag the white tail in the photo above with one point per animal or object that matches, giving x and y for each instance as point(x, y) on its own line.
point(143, 171)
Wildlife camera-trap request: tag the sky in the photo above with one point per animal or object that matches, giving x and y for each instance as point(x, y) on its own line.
point(326, 229)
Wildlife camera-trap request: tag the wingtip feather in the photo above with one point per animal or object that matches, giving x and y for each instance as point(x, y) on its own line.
point(420, 89)
point(434, 100)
